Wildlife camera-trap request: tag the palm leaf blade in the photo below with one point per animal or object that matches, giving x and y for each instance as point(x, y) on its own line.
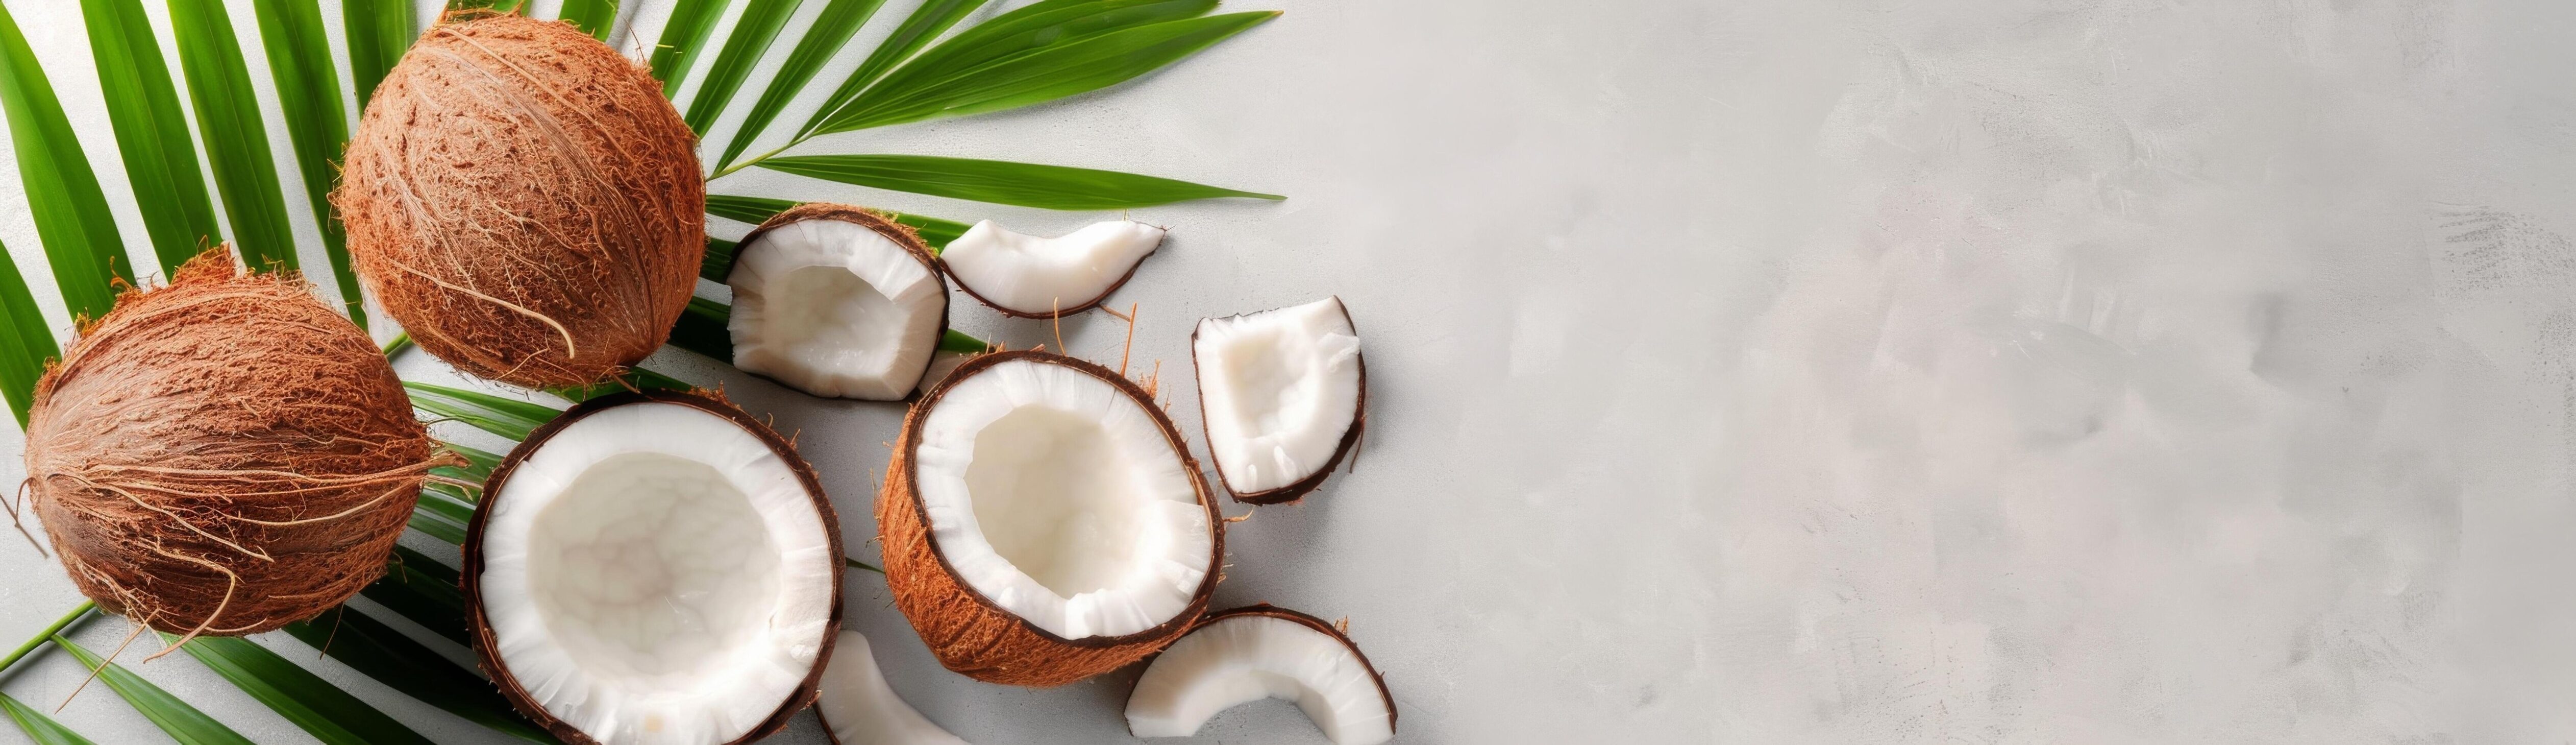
point(925, 24)
point(752, 35)
point(176, 718)
point(591, 16)
point(43, 729)
point(378, 651)
point(308, 91)
point(701, 329)
point(378, 31)
point(80, 237)
point(234, 134)
point(1003, 182)
point(691, 22)
point(321, 709)
point(422, 590)
point(151, 131)
point(832, 29)
point(25, 342)
point(1042, 74)
point(508, 418)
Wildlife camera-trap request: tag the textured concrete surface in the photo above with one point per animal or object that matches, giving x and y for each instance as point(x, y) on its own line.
point(1836, 372)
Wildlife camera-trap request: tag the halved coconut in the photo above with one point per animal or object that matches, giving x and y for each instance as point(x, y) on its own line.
point(1043, 521)
point(1242, 655)
point(858, 708)
point(1284, 395)
point(654, 567)
point(1033, 277)
point(836, 300)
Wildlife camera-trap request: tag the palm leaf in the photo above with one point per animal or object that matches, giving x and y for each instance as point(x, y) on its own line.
point(378, 651)
point(70, 211)
point(959, 342)
point(43, 729)
point(308, 91)
point(691, 21)
point(1044, 73)
point(1003, 182)
point(925, 24)
point(151, 131)
point(754, 210)
point(592, 16)
point(508, 418)
point(444, 509)
point(331, 715)
point(378, 32)
point(974, 52)
point(636, 378)
point(718, 260)
point(26, 344)
point(176, 718)
point(419, 588)
point(701, 329)
point(831, 30)
point(933, 231)
point(236, 138)
point(752, 35)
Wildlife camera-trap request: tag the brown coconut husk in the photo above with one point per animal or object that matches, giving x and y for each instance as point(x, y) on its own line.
point(968, 632)
point(496, 487)
point(224, 455)
point(902, 235)
point(525, 202)
point(1297, 490)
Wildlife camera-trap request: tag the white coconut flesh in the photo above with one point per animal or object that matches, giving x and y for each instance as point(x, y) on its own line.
point(1057, 496)
point(835, 309)
point(1034, 276)
point(1279, 389)
point(1238, 659)
point(654, 573)
point(860, 709)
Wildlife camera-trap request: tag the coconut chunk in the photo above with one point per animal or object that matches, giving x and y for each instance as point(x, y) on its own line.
point(858, 708)
point(1033, 277)
point(1043, 521)
point(1247, 654)
point(1282, 394)
point(654, 568)
point(835, 301)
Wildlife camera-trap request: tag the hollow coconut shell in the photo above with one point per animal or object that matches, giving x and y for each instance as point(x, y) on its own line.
point(878, 222)
point(224, 455)
point(487, 646)
point(968, 632)
point(525, 202)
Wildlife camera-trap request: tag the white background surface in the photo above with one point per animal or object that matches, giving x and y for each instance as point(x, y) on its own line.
point(1994, 371)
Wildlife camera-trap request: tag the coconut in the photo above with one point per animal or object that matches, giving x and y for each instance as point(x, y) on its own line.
point(1284, 396)
point(224, 455)
point(858, 708)
point(1032, 277)
point(837, 301)
point(654, 568)
point(525, 202)
point(1043, 522)
point(1246, 654)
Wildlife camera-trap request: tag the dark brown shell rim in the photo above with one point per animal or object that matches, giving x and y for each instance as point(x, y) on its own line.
point(911, 438)
point(469, 578)
point(1318, 624)
point(1295, 490)
point(1060, 312)
point(902, 235)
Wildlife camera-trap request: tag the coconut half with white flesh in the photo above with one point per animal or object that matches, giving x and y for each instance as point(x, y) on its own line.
point(1283, 394)
point(837, 301)
point(1032, 277)
point(1043, 521)
point(858, 708)
point(656, 568)
point(1247, 654)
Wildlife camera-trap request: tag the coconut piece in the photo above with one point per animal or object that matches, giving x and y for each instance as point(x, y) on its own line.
point(837, 301)
point(657, 568)
point(1283, 394)
point(858, 708)
point(525, 202)
point(1032, 277)
point(1246, 654)
point(224, 455)
point(1043, 521)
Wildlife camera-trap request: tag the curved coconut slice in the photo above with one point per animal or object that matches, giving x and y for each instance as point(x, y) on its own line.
point(1033, 277)
point(858, 708)
point(1283, 394)
point(836, 301)
point(1246, 654)
point(1043, 521)
point(655, 568)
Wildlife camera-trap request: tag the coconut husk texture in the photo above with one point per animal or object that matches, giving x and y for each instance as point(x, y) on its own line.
point(967, 631)
point(496, 487)
point(224, 455)
point(525, 202)
point(902, 235)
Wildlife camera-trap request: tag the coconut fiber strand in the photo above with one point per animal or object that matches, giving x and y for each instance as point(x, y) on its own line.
point(525, 202)
point(223, 455)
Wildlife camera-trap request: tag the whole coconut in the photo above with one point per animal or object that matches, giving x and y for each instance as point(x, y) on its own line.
point(525, 202)
point(224, 455)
